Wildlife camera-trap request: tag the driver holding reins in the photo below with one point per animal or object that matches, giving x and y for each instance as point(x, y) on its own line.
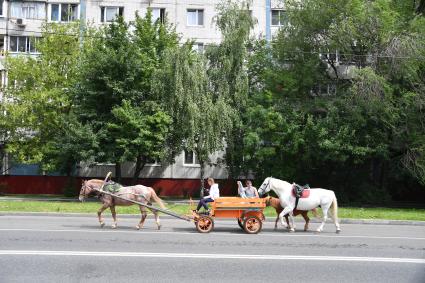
point(214, 194)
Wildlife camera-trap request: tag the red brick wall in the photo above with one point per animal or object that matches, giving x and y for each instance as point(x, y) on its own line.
point(55, 185)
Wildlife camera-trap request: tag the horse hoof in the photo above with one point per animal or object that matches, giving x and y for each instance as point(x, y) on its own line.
point(292, 230)
point(138, 227)
point(114, 226)
point(159, 227)
point(102, 224)
point(338, 231)
point(318, 231)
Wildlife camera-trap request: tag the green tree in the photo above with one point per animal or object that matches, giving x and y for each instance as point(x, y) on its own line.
point(119, 68)
point(37, 99)
point(200, 117)
point(357, 136)
point(228, 72)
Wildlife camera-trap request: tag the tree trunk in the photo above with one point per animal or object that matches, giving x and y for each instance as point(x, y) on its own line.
point(202, 177)
point(421, 7)
point(2, 155)
point(140, 164)
point(118, 171)
point(69, 189)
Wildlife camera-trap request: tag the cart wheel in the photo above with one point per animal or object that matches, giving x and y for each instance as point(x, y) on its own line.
point(252, 225)
point(205, 224)
point(240, 224)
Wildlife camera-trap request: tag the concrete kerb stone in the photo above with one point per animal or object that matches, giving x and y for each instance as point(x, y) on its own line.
point(269, 219)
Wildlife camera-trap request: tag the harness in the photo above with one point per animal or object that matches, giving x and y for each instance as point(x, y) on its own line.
point(112, 187)
point(298, 192)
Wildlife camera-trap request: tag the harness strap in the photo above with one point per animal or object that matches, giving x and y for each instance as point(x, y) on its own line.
point(296, 202)
point(142, 195)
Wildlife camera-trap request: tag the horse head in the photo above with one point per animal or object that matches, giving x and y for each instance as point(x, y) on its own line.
point(265, 187)
point(85, 191)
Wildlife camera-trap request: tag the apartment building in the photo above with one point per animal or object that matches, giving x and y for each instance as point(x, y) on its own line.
point(21, 22)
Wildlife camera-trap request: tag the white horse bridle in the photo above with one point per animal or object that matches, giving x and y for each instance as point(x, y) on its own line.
point(260, 191)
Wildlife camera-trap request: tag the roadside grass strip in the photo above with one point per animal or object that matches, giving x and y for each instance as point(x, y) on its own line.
point(91, 207)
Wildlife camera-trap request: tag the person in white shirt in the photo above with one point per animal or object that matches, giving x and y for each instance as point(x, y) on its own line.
point(247, 192)
point(214, 194)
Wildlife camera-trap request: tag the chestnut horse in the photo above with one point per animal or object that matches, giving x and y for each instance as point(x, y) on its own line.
point(138, 193)
point(275, 203)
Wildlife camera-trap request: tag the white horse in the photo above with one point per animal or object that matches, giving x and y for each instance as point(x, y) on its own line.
point(322, 197)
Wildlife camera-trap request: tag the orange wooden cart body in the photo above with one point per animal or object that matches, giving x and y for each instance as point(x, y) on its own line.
point(240, 208)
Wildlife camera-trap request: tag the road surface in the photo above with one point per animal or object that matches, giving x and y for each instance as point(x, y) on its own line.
point(76, 249)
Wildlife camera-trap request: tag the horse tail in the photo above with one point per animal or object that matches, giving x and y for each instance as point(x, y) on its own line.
point(157, 199)
point(335, 209)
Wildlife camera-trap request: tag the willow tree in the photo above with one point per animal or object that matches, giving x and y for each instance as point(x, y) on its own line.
point(201, 117)
point(228, 71)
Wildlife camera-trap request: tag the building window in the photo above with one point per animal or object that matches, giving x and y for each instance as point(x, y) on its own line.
point(1, 45)
point(63, 12)
point(158, 14)
point(278, 17)
point(23, 44)
point(190, 158)
point(108, 14)
point(152, 162)
point(28, 10)
point(198, 47)
point(1, 7)
point(324, 89)
point(195, 17)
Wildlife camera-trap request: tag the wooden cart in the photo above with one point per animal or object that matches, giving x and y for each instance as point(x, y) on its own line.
point(247, 211)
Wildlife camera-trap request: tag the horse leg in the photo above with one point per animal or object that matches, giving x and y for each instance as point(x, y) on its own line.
point(292, 218)
point(334, 215)
point(287, 221)
point(142, 220)
point(114, 216)
point(307, 220)
point(275, 224)
point(325, 209)
point(99, 214)
point(158, 223)
point(285, 211)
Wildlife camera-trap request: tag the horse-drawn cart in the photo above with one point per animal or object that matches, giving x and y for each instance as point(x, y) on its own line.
point(247, 211)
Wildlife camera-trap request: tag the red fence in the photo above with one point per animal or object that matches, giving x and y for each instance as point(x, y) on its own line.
point(56, 185)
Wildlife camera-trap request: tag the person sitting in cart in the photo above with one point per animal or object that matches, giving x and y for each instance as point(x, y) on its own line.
point(249, 191)
point(214, 194)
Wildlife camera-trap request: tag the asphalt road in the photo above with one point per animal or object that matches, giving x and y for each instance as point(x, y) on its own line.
point(76, 249)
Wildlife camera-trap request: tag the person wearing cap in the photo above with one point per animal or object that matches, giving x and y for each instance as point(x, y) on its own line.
point(214, 194)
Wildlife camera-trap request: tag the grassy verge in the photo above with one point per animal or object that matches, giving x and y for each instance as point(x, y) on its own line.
point(92, 207)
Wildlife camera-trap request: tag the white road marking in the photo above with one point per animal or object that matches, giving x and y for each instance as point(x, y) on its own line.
point(277, 234)
point(212, 256)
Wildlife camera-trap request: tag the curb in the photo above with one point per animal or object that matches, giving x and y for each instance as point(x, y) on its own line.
point(268, 219)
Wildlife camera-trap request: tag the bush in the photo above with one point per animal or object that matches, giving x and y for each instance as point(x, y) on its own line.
point(70, 191)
